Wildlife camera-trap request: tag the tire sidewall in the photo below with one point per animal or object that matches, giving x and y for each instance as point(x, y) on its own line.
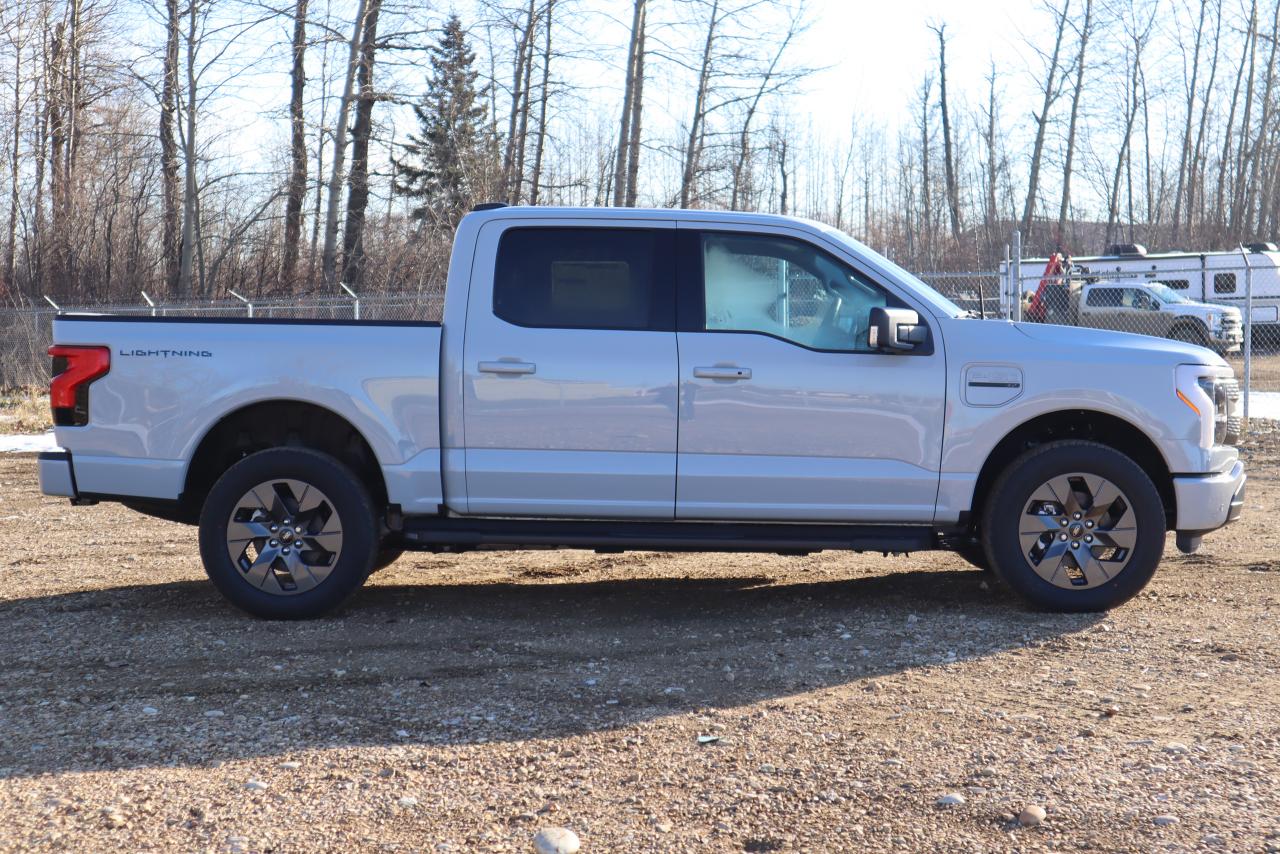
point(1008, 501)
point(350, 501)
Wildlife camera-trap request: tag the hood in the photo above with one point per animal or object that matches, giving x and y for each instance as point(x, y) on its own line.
point(1204, 309)
point(1120, 346)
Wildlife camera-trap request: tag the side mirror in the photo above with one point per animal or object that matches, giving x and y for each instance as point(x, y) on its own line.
point(896, 329)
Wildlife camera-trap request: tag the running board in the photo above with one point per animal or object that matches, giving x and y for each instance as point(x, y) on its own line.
point(442, 533)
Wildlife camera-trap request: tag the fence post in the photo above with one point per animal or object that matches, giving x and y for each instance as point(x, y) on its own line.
point(149, 302)
point(248, 304)
point(1015, 310)
point(49, 300)
point(355, 310)
point(1248, 332)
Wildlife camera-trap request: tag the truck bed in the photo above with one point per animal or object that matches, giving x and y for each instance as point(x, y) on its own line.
point(172, 380)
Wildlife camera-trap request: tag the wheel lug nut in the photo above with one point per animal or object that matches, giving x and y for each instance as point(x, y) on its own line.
point(1089, 524)
point(273, 542)
point(1062, 522)
point(284, 550)
point(1074, 545)
point(297, 531)
point(1088, 538)
point(1075, 515)
point(1062, 537)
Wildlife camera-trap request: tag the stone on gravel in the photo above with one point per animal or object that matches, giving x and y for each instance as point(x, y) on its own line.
point(256, 786)
point(408, 802)
point(290, 765)
point(1164, 820)
point(1031, 815)
point(951, 799)
point(556, 840)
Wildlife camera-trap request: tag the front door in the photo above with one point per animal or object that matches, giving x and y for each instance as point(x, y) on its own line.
point(786, 412)
point(570, 367)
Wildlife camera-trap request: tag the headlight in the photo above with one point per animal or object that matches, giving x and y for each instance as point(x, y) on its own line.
point(1216, 399)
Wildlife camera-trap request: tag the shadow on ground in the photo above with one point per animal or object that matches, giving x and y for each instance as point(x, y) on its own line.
point(170, 675)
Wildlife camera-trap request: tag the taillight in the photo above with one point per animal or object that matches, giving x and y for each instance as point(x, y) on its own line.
point(74, 368)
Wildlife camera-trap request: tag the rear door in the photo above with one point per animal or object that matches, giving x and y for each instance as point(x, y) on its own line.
point(570, 370)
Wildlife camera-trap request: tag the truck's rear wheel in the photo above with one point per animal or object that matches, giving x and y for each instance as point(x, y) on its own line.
point(1074, 526)
point(288, 533)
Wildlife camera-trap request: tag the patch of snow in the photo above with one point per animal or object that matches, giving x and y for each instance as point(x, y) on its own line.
point(1264, 404)
point(28, 444)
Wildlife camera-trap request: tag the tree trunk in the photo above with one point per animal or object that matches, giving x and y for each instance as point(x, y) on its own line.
point(1195, 188)
point(1184, 155)
point(11, 244)
point(189, 157)
point(358, 183)
point(623, 154)
point(692, 152)
point(1258, 152)
point(991, 217)
point(510, 180)
point(544, 94)
point(1243, 146)
point(637, 112)
point(953, 192)
point(1065, 207)
point(1042, 123)
point(169, 148)
point(297, 147)
point(329, 255)
point(522, 133)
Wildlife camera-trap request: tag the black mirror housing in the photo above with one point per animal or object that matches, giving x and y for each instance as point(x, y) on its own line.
point(896, 330)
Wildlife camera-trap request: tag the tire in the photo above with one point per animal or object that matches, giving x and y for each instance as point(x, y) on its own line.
point(1190, 333)
point(1048, 562)
point(329, 512)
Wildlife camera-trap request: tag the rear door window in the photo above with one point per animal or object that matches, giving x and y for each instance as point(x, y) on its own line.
point(586, 278)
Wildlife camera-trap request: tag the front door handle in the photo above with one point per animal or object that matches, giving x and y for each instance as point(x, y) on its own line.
point(721, 372)
point(507, 367)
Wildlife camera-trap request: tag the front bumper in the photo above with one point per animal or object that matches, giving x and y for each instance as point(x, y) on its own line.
point(56, 475)
point(1207, 502)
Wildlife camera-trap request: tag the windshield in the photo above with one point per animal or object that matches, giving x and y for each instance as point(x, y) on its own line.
point(937, 301)
point(1166, 293)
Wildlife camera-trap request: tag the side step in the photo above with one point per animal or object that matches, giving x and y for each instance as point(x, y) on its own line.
point(441, 533)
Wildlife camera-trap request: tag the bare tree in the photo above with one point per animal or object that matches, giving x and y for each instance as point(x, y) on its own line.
point(948, 153)
point(630, 102)
point(1085, 31)
point(358, 181)
point(329, 255)
point(1049, 92)
point(297, 145)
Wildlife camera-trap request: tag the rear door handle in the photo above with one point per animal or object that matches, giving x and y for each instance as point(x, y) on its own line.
point(507, 367)
point(720, 372)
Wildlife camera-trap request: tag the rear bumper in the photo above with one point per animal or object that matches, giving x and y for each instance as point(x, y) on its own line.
point(1207, 502)
point(56, 475)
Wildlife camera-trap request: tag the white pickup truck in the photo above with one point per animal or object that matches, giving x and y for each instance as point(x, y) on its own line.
point(669, 380)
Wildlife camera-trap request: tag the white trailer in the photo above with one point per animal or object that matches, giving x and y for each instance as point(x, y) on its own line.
point(1217, 277)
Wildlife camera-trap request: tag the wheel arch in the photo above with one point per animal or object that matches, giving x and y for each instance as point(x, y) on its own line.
point(279, 423)
point(1102, 427)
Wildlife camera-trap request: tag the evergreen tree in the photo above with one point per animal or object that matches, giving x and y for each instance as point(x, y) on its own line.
point(444, 163)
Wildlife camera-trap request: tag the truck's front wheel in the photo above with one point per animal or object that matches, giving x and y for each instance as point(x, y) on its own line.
point(1074, 526)
point(288, 533)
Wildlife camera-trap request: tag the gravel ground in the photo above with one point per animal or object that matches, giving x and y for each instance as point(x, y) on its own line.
point(649, 702)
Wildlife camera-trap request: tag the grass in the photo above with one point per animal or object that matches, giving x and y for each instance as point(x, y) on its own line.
point(24, 410)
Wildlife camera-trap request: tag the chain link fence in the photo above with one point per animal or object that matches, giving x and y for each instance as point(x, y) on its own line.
point(1229, 302)
point(26, 333)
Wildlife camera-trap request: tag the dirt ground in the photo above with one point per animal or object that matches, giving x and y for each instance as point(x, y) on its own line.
point(649, 702)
